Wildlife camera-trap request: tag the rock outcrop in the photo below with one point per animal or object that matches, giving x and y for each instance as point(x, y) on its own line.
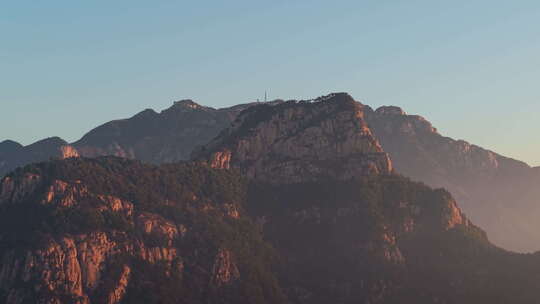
point(13, 155)
point(334, 224)
point(498, 193)
point(164, 137)
point(68, 151)
point(300, 141)
point(383, 239)
point(85, 242)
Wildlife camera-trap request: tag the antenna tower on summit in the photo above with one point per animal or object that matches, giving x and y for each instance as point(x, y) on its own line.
point(265, 97)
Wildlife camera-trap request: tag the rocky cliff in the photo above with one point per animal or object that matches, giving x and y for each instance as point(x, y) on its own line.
point(322, 219)
point(498, 193)
point(369, 240)
point(351, 233)
point(111, 231)
point(327, 138)
point(164, 137)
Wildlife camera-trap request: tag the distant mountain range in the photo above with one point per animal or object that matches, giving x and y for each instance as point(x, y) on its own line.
point(13, 154)
point(294, 202)
point(498, 193)
point(168, 136)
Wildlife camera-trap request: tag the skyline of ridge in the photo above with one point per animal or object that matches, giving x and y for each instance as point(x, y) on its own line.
point(173, 103)
point(470, 67)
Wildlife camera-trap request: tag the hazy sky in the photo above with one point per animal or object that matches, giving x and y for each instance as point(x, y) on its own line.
point(470, 67)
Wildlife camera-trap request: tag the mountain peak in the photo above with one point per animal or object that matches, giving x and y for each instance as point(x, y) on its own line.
point(10, 144)
point(298, 141)
point(147, 112)
point(187, 104)
point(49, 142)
point(336, 97)
point(344, 100)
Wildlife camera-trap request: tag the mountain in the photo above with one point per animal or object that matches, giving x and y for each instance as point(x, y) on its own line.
point(8, 147)
point(295, 203)
point(13, 154)
point(349, 233)
point(300, 141)
point(111, 230)
point(153, 137)
point(498, 193)
point(164, 137)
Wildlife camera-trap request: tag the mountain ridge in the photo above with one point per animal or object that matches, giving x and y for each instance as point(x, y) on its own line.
point(480, 179)
point(112, 230)
point(497, 192)
point(293, 140)
point(184, 121)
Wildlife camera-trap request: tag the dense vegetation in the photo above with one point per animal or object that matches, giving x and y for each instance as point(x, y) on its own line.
point(380, 239)
point(333, 240)
point(148, 187)
point(187, 194)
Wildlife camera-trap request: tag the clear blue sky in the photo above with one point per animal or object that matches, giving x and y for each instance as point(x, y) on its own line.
point(470, 67)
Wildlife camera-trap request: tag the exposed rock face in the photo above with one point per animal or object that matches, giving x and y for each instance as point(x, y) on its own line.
point(13, 155)
point(300, 141)
point(83, 245)
point(118, 292)
point(484, 182)
point(330, 218)
point(164, 137)
point(68, 151)
point(383, 240)
point(70, 267)
point(111, 230)
point(15, 189)
point(390, 110)
point(96, 234)
point(225, 269)
point(498, 193)
point(418, 150)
